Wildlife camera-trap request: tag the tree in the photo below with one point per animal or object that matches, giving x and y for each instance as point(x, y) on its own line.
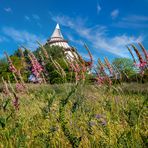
point(125, 66)
point(4, 70)
point(57, 54)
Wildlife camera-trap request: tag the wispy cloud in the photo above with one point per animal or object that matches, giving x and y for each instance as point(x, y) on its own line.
point(98, 37)
point(32, 17)
point(114, 14)
point(98, 8)
point(8, 9)
point(23, 37)
point(122, 24)
point(35, 17)
point(135, 18)
point(27, 18)
point(3, 39)
point(86, 56)
point(79, 42)
point(133, 21)
point(72, 39)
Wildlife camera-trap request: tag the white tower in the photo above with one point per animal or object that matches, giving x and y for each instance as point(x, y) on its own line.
point(57, 39)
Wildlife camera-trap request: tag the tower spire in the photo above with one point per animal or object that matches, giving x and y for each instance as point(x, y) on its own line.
point(57, 38)
point(57, 26)
point(57, 32)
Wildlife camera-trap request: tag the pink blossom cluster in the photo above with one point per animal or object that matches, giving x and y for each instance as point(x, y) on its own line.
point(36, 67)
point(11, 66)
point(101, 69)
point(109, 66)
point(79, 69)
point(100, 80)
point(102, 77)
point(6, 90)
point(76, 69)
point(143, 63)
point(19, 87)
point(103, 80)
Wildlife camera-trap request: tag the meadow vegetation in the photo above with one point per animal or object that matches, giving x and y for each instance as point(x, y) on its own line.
point(71, 106)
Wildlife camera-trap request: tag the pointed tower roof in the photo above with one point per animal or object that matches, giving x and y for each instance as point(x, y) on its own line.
point(57, 39)
point(57, 32)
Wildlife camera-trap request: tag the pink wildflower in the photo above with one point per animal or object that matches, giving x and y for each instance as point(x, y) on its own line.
point(77, 67)
point(100, 80)
point(144, 51)
point(143, 64)
point(11, 66)
point(19, 87)
point(36, 67)
point(77, 77)
point(108, 66)
point(83, 68)
point(138, 54)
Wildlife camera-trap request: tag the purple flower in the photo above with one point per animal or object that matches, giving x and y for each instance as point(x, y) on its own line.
point(98, 116)
point(103, 122)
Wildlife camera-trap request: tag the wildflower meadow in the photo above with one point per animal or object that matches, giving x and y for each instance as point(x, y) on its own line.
point(74, 103)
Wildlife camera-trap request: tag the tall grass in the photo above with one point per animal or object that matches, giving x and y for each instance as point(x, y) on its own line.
point(88, 117)
point(76, 114)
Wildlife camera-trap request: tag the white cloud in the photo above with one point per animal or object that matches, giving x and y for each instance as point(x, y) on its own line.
point(98, 36)
point(72, 39)
point(136, 18)
point(131, 25)
point(98, 8)
point(35, 17)
point(27, 18)
point(23, 37)
point(133, 21)
point(114, 14)
point(8, 9)
point(3, 39)
point(86, 56)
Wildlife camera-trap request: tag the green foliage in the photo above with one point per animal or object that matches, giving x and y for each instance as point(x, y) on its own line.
point(57, 55)
point(53, 77)
point(125, 66)
point(4, 71)
point(55, 52)
point(18, 63)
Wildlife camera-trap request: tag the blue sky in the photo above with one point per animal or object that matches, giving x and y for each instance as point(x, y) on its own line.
point(105, 25)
